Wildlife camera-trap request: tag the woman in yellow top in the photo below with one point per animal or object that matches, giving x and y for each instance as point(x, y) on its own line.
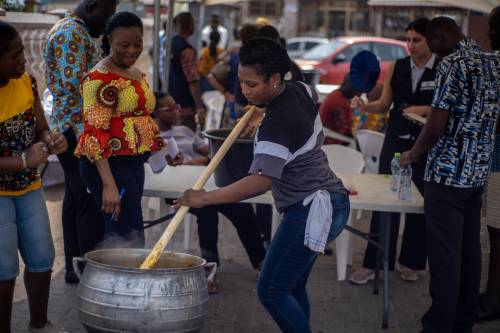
point(25, 143)
point(119, 132)
point(208, 59)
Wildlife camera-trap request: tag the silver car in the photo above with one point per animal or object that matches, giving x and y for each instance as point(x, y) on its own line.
point(299, 45)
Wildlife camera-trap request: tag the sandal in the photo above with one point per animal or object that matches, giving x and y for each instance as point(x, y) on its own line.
point(213, 287)
point(407, 274)
point(362, 276)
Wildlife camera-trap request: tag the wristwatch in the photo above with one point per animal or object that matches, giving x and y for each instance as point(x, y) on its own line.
point(25, 160)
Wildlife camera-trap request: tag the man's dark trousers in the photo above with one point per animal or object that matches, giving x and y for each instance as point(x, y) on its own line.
point(453, 217)
point(82, 220)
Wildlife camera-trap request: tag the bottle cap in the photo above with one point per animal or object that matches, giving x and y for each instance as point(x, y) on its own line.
point(397, 154)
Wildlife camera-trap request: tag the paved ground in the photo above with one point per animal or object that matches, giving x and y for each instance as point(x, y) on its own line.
point(336, 306)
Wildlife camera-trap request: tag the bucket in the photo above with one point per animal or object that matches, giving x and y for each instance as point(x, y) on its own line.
point(114, 295)
point(236, 163)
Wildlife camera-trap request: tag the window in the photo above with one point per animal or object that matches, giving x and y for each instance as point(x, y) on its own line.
point(388, 51)
point(270, 8)
point(310, 45)
point(354, 49)
point(322, 51)
point(337, 22)
point(359, 21)
point(400, 52)
point(293, 46)
point(264, 8)
point(395, 22)
point(255, 8)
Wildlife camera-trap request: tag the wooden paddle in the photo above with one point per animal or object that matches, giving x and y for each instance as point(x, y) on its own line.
point(156, 252)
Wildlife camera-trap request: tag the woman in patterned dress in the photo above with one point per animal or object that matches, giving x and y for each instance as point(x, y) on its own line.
point(119, 133)
point(25, 144)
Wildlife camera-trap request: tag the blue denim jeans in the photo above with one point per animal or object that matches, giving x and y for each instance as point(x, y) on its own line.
point(24, 225)
point(282, 283)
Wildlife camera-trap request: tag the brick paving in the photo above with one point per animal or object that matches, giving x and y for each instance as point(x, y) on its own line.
point(335, 306)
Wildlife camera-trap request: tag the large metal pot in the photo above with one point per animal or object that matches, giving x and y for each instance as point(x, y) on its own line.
point(114, 295)
point(237, 161)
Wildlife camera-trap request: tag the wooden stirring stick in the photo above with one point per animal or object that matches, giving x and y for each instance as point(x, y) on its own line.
point(156, 252)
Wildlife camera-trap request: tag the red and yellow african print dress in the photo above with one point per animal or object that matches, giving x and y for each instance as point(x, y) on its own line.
point(116, 114)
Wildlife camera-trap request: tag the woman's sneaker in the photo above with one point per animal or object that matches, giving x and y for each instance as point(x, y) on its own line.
point(362, 276)
point(50, 327)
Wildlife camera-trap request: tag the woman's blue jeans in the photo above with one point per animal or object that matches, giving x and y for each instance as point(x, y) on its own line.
point(282, 283)
point(24, 225)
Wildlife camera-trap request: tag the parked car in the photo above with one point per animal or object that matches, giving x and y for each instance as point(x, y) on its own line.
point(330, 62)
point(297, 46)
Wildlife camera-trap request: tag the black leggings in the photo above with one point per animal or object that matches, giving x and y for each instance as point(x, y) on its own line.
point(128, 173)
point(82, 221)
point(413, 253)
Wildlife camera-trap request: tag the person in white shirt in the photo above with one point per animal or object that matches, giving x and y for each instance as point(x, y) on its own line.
point(215, 24)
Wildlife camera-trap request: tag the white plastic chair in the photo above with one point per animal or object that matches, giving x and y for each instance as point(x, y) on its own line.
point(340, 137)
point(214, 101)
point(344, 159)
point(370, 144)
point(155, 207)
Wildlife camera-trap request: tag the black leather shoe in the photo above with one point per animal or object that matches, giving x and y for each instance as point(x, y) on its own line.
point(328, 251)
point(71, 277)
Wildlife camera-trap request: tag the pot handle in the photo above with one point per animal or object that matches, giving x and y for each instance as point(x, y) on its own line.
point(212, 267)
point(76, 267)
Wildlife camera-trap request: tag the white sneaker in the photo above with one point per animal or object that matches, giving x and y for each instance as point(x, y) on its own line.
point(50, 327)
point(362, 276)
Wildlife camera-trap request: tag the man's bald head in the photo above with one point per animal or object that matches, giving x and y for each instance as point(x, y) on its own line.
point(96, 13)
point(443, 34)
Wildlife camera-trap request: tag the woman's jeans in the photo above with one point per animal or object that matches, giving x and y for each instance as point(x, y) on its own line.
point(282, 283)
point(24, 225)
point(128, 173)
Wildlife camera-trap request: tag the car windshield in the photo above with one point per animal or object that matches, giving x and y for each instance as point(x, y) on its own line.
point(322, 51)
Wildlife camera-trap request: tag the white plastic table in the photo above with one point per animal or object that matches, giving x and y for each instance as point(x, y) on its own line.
point(324, 89)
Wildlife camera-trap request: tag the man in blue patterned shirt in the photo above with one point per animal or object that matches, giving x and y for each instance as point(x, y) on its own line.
point(460, 130)
point(69, 54)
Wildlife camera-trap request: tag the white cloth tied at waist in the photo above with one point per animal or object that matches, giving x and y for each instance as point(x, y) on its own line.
point(319, 220)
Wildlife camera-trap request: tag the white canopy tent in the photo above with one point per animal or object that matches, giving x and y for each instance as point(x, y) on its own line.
point(484, 6)
point(222, 2)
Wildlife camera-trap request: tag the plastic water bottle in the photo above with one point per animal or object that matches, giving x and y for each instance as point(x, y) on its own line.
point(395, 172)
point(405, 183)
